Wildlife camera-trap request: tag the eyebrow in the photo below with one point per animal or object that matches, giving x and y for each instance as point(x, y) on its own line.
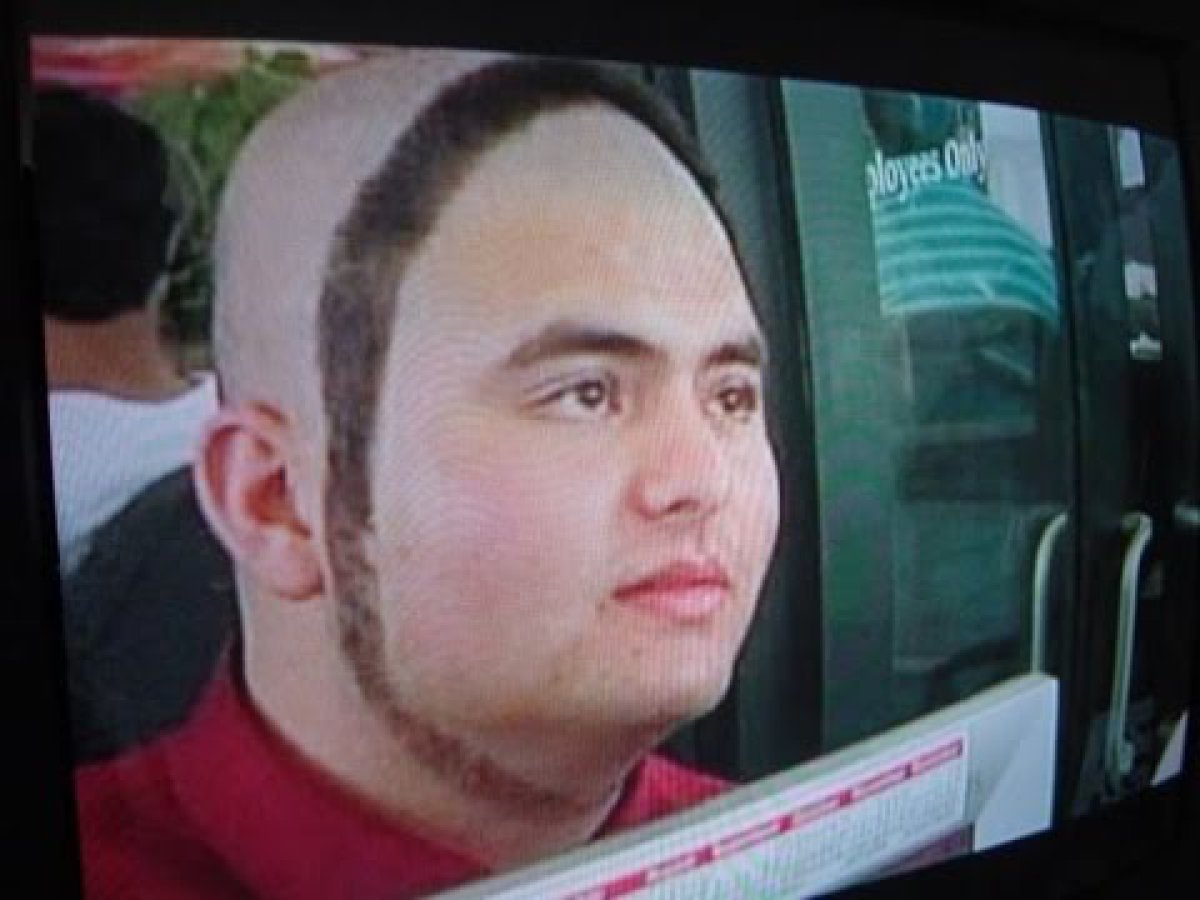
point(560, 339)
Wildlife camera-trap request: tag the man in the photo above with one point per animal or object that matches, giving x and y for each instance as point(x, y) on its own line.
point(505, 537)
point(122, 415)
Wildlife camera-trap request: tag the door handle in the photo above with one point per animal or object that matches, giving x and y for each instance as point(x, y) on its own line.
point(1118, 751)
point(1187, 516)
point(1047, 544)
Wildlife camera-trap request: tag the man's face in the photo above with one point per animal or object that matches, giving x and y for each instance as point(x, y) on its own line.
point(574, 496)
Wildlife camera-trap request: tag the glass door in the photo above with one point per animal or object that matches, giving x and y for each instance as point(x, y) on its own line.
point(984, 383)
point(1124, 240)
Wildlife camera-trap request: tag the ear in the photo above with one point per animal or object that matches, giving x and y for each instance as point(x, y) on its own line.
point(246, 481)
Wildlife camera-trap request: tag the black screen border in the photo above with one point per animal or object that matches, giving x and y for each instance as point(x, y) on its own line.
point(1143, 72)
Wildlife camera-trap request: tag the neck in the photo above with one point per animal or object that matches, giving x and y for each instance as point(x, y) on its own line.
point(522, 798)
point(123, 356)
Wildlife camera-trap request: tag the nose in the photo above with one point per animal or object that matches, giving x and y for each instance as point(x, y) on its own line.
point(680, 473)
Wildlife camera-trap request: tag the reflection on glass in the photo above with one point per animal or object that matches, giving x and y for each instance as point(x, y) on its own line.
point(969, 300)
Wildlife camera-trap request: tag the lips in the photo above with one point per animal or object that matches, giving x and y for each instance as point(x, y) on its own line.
point(685, 591)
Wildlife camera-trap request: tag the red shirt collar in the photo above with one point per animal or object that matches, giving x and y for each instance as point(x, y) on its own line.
point(284, 829)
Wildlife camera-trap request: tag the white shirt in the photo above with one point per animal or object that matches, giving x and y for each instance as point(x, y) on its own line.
point(105, 449)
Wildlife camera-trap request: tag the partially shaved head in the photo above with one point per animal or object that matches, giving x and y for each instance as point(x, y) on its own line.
point(294, 182)
point(329, 201)
point(492, 459)
point(331, 197)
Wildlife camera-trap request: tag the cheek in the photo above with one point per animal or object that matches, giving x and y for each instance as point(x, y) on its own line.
point(504, 564)
point(757, 509)
point(530, 499)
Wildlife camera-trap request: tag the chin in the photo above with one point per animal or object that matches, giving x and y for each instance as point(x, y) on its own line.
point(675, 697)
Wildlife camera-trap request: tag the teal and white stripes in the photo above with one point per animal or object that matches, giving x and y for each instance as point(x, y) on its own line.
point(947, 246)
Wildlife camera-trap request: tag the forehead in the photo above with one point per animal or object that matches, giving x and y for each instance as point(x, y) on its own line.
point(581, 213)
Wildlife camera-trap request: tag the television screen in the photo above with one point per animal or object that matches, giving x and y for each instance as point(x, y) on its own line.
point(525, 474)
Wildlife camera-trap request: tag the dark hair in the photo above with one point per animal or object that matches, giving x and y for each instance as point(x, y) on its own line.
point(397, 207)
point(100, 180)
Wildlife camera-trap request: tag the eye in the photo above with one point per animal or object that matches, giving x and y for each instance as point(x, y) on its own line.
point(739, 401)
point(593, 394)
point(590, 397)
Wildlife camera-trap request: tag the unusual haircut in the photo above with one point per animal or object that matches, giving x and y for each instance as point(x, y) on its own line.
point(371, 250)
point(396, 209)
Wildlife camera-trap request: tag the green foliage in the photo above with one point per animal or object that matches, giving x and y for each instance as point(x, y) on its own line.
point(204, 123)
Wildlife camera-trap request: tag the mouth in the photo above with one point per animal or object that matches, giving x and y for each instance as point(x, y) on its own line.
point(682, 591)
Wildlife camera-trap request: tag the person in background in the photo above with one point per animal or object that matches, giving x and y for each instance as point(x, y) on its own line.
point(122, 414)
